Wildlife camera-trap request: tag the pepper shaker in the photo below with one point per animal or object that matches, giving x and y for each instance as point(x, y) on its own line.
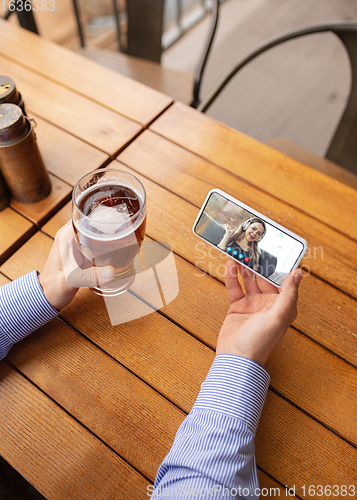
point(9, 93)
point(21, 162)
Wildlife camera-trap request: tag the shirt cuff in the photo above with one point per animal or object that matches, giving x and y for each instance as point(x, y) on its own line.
point(24, 309)
point(235, 386)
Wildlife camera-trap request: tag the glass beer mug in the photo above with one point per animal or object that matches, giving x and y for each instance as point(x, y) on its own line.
point(109, 221)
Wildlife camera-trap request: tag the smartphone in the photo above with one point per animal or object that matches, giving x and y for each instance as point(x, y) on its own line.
point(258, 243)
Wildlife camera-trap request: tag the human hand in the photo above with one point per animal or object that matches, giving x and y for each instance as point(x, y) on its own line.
point(257, 320)
point(62, 276)
point(229, 230)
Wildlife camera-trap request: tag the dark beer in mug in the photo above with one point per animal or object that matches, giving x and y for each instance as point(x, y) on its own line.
point(109, 220)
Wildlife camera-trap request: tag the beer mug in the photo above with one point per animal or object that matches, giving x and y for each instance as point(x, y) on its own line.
point(109, 221)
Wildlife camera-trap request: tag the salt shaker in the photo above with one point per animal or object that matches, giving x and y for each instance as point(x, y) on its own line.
point(21, 162)
point(9, 92)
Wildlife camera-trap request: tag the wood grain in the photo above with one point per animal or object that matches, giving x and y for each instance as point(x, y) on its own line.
point(269, 487)
point(40, 212)
point(325, 314)
point(330, 254)
point(15, 230)
point(149, 346)
point(59, 220)
point(295, 449)
point(30, 256)
point(121, 94)
point(3, 280)
point(291, 446)
point(64, 155)
point(54, 452)
point(76, 114)
point(317, 381)
point(308, 416)
point(120, 409)
point(311, 377)
point(306, 157)
point(290, 181)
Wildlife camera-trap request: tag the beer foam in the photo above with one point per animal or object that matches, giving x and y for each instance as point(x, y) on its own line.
point(84, 225)
point(109, 220)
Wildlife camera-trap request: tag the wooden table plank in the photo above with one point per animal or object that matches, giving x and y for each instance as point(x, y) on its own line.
point(64, 155)
point(39, 248)
point(269, 487)
point(294, 449)
point(121, 410)
point(54, 452)
point(280, 433)
point(15, 230)
point(181, 172)
point(3, 280)
point(330, 253)
point(307, 420)
point(301, 370)
point(333, 326)
point(82, 117)
point(265, 481)
point(121, 94)
point(162, 345)
point(291, 378)
point(298, 185)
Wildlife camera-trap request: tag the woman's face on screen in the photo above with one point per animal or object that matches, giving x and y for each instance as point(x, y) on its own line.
point(254, 232)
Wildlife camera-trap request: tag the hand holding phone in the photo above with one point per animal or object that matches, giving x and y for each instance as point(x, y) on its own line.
point(258, 319)
point(255, 241)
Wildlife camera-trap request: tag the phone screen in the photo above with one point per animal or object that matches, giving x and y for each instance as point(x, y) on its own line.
point(249, 239)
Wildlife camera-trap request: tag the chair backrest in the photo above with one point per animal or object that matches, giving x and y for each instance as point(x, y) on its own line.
point(145, 32)
point(343, 146)
point(25, 17)
point(145, 20)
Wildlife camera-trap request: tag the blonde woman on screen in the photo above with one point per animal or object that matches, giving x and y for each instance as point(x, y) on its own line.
point(242, 243)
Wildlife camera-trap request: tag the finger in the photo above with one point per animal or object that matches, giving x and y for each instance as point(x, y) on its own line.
point(265, 286)
point(233, 286)
point(249, 280)
point(285, 305)
point(67, 246)
point(93, 276)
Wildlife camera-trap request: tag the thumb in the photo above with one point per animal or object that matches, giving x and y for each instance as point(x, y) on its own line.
point(286, 304)
point(93, 276)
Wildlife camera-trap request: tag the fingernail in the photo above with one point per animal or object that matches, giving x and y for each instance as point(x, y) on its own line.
point(107, 273)
point(298, 276)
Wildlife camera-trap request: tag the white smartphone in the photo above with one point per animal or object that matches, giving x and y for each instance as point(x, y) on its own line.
point(258, 243)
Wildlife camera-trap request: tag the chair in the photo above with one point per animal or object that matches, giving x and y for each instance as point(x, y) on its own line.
point(141, 60)
point(25, 17)
point(342, 151)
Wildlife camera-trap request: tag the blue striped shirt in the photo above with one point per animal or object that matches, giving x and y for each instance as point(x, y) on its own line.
point(213, 453)
point(23, 309)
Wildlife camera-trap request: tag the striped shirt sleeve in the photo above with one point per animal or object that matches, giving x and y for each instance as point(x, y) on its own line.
point(213, 454)
point(23, 309)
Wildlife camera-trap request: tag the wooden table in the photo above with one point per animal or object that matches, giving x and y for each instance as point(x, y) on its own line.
point(89, 410)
